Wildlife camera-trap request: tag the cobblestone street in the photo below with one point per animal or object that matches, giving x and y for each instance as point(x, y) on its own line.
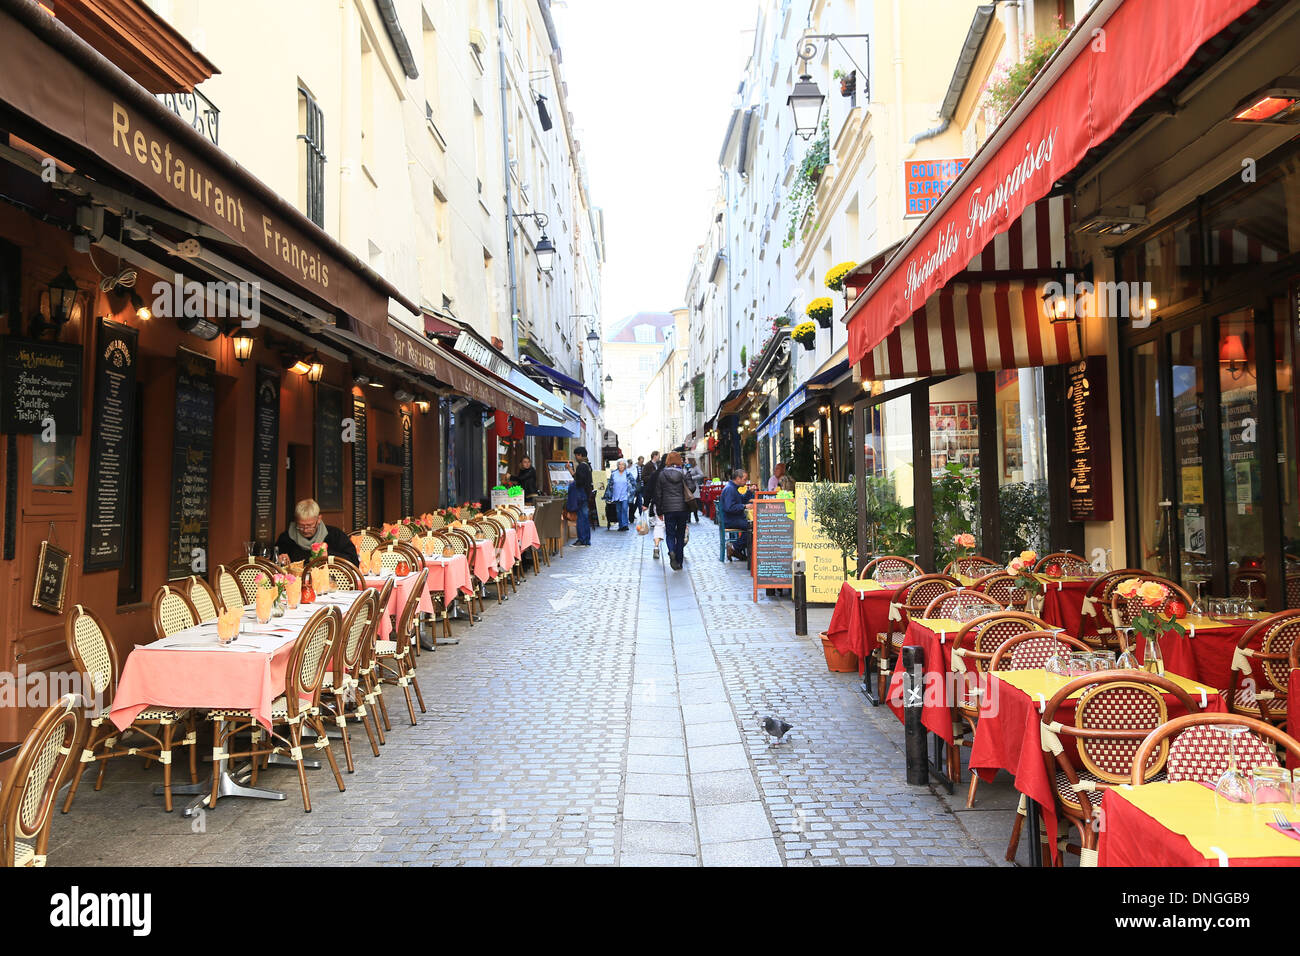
point(605, 715)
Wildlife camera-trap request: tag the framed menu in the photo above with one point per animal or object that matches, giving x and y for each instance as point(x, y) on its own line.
point(39, 381)
point(112, 444)
point(51, 578)
point(329, 448)
point(408, 468)
point(266, 454)
point(1088, 420)
point(191, 461)
point(773, 541)
point(360, 463)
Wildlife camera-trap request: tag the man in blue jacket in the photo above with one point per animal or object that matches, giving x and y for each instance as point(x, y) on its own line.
point(731, 506)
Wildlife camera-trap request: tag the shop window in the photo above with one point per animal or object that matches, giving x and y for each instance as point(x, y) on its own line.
point(1255, 225)
point(1153, 531)
point(311, 157)
point(1287, 455)
point(54, 462)
point(1239, 436)
point(1189, 531)
point(890, 480)
point(954, 464)
point(1020, 425)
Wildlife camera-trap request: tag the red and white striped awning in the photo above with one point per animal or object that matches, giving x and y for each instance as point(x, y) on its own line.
point(974, 327)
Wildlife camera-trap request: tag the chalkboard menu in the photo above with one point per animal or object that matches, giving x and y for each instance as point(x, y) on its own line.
point(1088, 419)
point(408, 468)
point(329, 448)
point(191, 461)
point(40, 380)
point(360, 471)
point(112, 444)
point(266, 454)
point(773, 542)
point(51, 578)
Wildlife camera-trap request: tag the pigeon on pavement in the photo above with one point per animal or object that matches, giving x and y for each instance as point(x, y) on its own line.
point(775, 727)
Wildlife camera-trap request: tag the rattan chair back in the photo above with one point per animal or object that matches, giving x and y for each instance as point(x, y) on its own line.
point(1198, 751)
point(1001, 587)
point(246, 573)
point(356, 626)
point(310, 659)
point(38, 771)
point(971, 566)
point(202, 597)
point(890, 564)
point(1279, 650)
point(232, 595)
point(946, 603)
point(406, 617)
point(172, 611)
point(980, 639)
point(1123, 610)
point(90, 645)
point(919, 593)
point(1030, 649)
point(344, 575)
point(1072, 565)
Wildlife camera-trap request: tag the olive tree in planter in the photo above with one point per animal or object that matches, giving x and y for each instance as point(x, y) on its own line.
point(836, 509)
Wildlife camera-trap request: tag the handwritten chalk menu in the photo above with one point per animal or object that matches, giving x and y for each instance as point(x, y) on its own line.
point(266, 454)
point(113, 425)
point(773, 542)
point(329, 448)
point(360, 469)
point(51, 578)
point(39, 381)
point(191, 461)
point(1088, 419)
point(408, 468)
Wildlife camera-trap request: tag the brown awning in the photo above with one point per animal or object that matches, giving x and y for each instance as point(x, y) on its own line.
point(60, 82)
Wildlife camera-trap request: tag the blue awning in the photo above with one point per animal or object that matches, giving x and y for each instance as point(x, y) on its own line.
point(559, 378)
point(830, 375)
point(772, 423)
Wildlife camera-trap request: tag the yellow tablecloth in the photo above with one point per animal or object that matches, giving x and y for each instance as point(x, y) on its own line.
point(1192, 811)
point(867, 585)
point(1036, 682)
point(940, 625)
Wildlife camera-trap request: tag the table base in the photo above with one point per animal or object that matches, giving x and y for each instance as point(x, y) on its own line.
point(227, 786)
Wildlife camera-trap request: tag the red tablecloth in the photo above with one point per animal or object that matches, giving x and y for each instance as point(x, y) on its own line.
point(1007, 738)
point(1133, 837)
point(1207, 657)
point(938, 688)
point(1063, 607)
point(859, 617)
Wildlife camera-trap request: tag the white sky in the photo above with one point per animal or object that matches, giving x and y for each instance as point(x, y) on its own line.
point(651, 87)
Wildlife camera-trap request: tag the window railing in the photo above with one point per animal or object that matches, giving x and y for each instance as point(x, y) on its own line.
point(197, 110)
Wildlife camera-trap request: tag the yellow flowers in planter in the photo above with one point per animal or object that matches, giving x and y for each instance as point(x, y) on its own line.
point(820, 310)
point(805, 333)
point(836, 275)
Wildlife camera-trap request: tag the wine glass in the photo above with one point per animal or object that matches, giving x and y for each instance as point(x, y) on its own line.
point(1233, 786)
point(1250, 595)
point(249, 548)
point(1127, 660)
point(1198, 606)
point(1059, 662)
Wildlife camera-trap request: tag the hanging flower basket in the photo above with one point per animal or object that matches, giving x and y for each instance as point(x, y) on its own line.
point(849, 83)
point(820, 311)
point(805, 333)
point(836, 275)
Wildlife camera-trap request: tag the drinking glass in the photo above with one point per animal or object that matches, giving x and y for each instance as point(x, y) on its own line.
point(1233, 786)
point(1059, 662)
point(1127, 660)
point(1273, 788)
point(1250, 594)
point(1198, 606)
point(249, 548)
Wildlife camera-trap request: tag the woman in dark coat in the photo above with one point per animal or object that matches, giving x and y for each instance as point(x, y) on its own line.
point(673, 505)
point(527, 478)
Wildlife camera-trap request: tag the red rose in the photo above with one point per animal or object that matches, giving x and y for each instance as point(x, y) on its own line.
point(1176, 610)
point(1053, 570)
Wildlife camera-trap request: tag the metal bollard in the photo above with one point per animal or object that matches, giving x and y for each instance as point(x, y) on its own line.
point(918, 762)
point(799, 594)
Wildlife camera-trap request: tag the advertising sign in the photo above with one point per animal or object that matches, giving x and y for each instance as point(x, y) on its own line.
point(825, 572)
point(925, 181)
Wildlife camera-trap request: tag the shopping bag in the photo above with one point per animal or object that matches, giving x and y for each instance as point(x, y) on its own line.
point(642, 527)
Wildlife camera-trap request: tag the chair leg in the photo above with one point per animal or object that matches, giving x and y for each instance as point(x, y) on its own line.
point(364, 714)
point(954, 762)
point(329, 752)
point(78, 770)
point(295, 735)
point(403, 679)
point(166, 759)
point(970, 794)
point(1013, 846)
point(341, 721)
point(192, 737)
point(376, 689)
point(218, 726)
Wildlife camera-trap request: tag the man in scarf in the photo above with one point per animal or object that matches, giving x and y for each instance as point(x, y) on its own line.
point(308, 529)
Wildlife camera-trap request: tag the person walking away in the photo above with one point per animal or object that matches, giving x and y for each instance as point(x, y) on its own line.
point(579, 497)
point(638, 475)
point(648, 476)
point(620, 488)
point(527, 478)
point(693, 472)
point(308, 529)
point(673, 490)
point(731, 506)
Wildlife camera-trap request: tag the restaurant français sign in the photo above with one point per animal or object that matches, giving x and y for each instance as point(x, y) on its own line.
point(187, 547)
point(112, 444)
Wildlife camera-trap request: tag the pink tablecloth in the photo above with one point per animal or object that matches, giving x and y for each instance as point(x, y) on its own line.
point(448, 575)
point(485, 561)
point(508, 552)
point(216, 680)
point(396, 600)
point(528, 536)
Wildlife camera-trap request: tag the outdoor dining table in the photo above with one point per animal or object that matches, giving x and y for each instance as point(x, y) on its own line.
point(1185, 824)
point(397, 599)
point(934, 636)
point(1065, 605)
point(860, 620)
point(528, 536)
point(1205, 651)
point(192, 669)
point(1007, 735)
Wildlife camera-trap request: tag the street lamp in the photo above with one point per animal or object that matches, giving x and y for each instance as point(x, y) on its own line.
point(806, 99)
point(544, 249)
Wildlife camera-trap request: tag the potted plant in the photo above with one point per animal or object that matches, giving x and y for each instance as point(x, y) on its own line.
point(805, 333)
point(836, 275)
point(780, 322)
point(848, 82)
point(835, 508)
point(820, 311)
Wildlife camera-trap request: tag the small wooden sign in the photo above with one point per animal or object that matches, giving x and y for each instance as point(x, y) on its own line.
point(51, 578)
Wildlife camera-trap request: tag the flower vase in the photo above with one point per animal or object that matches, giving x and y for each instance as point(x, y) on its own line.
point(1153, 660)
point(281, 603)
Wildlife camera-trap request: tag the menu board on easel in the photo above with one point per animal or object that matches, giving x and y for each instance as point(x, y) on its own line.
point(266, 454)
point(112, 441)
point(773, 544)
point(360, 465)
point(1087, 417)
point(191, 462)
point(329, 448)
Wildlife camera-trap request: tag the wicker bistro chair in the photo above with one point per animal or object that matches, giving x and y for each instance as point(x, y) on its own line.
point(204, 599)
point(367, 673)
point(1276, 656)
point(1198, 752)
point(500, 524)
point(462, 542)
point(1031, 650)
point(916, 596)
point(946, 604)
point(1096, 604)
point(298, 706)
point(228, 589)
point(344, 575)
point(1115, 714)
point(364, 539)
point(93, 652)
point(889, 564)
point(390, 555)
point(404, 532)
point(394, 659)
point(1001, 587)
point(972, 651)
point(1072, 565)
point(27, 803)
point(246, 573)
point(172, 611)
point(339, 689)
point(972, 566)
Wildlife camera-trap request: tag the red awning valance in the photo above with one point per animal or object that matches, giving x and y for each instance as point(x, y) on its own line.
point(1118, 56)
